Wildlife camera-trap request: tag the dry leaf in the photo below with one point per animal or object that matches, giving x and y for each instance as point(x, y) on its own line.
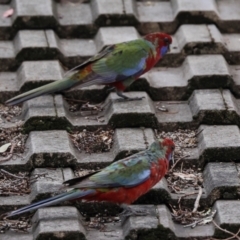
point(8, 13)
point(4, 147)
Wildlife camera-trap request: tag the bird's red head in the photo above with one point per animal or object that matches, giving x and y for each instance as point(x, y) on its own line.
point(161, 41)
point(169, 145)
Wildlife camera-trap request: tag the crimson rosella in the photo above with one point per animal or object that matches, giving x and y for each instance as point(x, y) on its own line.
point(122, 182)
point(118, 65)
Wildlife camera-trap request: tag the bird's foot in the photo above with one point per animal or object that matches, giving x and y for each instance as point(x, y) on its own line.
point(129, 211)
point(124, 98)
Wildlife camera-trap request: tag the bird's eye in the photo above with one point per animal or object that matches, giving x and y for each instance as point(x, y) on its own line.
point(172, 148)
point(166, 40)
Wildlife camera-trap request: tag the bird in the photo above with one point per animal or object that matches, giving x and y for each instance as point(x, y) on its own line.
point(117, 65)
point(122, 182)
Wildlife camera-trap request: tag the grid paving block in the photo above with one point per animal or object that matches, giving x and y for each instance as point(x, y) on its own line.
point(51, 148)
point(75, 20)
point(218, 143)
point(113, 35)
point(50, 182)
point(121, 113)
point(227, 216)
point(8, 86)
point(172, 119)
point(33, 14)
point(7, 56)
point(210, 106)
point(130, 140)
point(84, 19)
point(39, 72)
point(106, 12)
point(133, 224)
point(33, 45)
point(45, 44)
point(13, 236)
point(217, 185)
point(214, 106)
point(55, 149)
point(196, 72)
point(176, 231)
point(58, 223)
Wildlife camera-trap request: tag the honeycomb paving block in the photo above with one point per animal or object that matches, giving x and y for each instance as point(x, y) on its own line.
point(219, 143)
point(227, 216)
point(58, 223)
point(217, 184)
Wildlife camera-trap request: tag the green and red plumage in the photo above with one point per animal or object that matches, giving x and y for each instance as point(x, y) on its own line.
point(122, 182)
point(117, 65)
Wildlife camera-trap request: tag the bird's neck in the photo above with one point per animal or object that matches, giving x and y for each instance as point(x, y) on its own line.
point(156, 152)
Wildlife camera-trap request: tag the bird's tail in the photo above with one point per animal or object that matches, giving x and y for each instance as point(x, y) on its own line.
point(56, 86)
point(74, 194)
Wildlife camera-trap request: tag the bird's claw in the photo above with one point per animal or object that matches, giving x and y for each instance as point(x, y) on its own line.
point(128, 211)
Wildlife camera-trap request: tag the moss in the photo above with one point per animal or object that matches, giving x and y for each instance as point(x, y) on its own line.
point(133, 120)
point(223, 235)
point(154, 197)
point(159, 233)
point(61, 235)
point(37, 124)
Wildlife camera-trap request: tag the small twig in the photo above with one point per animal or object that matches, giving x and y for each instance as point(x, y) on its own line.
point(186, 195)
point(226, 231)
point(178, 162)
point(181, 167)
point(10, 155)
point(13, 175)
point(196, 204)
point(198, 133)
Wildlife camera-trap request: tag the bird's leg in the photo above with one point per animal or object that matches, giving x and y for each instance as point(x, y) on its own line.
point(125, 98)
point(129, 211)
point(127, 82)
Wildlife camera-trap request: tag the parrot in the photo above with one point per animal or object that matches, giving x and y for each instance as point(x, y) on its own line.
point(117, 65)
point(122, 182)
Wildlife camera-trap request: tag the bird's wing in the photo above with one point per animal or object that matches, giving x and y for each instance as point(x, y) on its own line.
point(115, 63)
point(127, 172)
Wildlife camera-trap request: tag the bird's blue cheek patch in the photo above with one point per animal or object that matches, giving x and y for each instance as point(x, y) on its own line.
point(164, 50)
